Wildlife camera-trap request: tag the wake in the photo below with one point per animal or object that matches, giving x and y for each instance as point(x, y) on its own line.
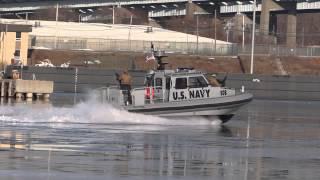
point(89, 111)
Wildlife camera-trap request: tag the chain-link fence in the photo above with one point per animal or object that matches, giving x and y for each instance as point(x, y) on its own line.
point(192, 48)
point(275, 50)
point(208, 49)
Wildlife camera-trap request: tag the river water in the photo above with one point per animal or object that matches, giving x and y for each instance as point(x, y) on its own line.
point(59, 140)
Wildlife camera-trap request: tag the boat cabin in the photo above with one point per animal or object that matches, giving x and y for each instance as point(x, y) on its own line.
point(163, 86)
point(182, 84)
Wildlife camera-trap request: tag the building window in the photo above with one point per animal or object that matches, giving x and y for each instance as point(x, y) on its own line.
point(18, 36)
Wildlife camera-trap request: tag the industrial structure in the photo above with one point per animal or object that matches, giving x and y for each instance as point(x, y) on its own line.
point(284, 22)
point(14, 43)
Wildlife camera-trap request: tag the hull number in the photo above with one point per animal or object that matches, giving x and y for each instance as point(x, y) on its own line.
point(223, 92)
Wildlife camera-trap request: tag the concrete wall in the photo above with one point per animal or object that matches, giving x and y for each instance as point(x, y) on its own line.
point(266, 7)
point(66, 79)
point(277, 87)
point(262, 86)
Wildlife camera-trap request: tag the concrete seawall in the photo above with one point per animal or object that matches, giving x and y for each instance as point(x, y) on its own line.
point(277, 87)
point(82, 80)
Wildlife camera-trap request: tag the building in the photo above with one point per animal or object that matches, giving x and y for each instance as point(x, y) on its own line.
point(14, 43)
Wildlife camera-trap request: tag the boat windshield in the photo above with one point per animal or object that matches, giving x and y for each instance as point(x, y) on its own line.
point(197, 82)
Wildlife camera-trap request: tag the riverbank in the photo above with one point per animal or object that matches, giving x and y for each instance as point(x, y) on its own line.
point(263, 65)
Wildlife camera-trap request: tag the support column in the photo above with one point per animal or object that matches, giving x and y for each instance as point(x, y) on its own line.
point(191, 8)
point(266, 6)
point(122, 15)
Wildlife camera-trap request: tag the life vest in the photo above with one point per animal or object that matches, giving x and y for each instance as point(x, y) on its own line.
point(148, 92)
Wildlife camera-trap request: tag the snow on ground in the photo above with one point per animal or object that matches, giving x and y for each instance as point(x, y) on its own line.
point(109, 31)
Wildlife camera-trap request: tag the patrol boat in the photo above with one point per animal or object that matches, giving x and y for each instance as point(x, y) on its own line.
point(180, 92)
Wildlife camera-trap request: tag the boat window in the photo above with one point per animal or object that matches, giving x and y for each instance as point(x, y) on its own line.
point(148, 81)
point(197, 82)
point(181, 83)
point(159, 82)
point(168, 83)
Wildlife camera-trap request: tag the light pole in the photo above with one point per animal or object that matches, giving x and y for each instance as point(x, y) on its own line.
point(228, 27)
point(197, 14)
point(253, 34)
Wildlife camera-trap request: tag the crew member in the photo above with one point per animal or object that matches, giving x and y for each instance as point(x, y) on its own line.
point(213, 81)
point(16, 60)
point(125, 81)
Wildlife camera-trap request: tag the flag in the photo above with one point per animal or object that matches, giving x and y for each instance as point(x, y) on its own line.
point(150, 57)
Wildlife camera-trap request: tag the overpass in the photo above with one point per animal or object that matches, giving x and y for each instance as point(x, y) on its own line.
point(160, 8)
point(163, 8)
point(226, 6)
point(29, 5)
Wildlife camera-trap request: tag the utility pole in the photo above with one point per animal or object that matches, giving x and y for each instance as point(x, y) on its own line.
point(56, 33)
point(197, 34)
point(113, 14)
point(253, 34)
point(242, 32)
point(129, 35)
point(302, 36)
point(215, 31)
point(27, 17)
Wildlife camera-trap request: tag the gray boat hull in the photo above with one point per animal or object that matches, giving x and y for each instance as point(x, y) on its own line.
point(223, 107)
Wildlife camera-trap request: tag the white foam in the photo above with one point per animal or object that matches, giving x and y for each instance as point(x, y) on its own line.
point(90, 111)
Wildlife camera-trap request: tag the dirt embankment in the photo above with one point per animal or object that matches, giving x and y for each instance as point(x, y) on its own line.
point(241, 64)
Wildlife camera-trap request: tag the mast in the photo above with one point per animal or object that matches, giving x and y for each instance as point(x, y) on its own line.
point(158, 56)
